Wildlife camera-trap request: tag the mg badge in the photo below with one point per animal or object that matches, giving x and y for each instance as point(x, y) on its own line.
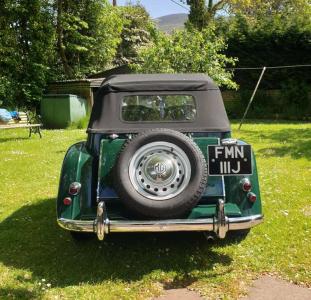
point(160, 168)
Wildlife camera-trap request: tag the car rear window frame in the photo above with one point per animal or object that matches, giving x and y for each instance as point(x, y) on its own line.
point(159, 93)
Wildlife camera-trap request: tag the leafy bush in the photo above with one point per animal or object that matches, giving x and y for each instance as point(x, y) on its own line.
point(296, 100)
point(5, 93)
point(269, 40)
point(292, 102)
point(187, 51)
point(26, 43)
point(138, 30)
point(81, 124)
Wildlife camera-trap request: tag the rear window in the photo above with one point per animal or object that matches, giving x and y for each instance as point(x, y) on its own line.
point(158, 108)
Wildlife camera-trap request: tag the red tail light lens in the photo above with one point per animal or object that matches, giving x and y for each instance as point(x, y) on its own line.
point(74, 188)
point(67, 201)
point(246, 185)
point(251, 197)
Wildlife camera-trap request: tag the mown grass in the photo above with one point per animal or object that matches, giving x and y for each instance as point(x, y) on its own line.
point(40, 261)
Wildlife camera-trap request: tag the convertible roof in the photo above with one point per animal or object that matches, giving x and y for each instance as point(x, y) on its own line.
point(106, 112)
point(158, 82)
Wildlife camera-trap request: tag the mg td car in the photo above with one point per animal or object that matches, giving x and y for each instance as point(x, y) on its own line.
point(159, 157)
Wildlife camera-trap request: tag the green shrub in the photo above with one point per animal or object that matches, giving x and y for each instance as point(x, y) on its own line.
point(81, 124)
point(296, 100)
point(292, 102)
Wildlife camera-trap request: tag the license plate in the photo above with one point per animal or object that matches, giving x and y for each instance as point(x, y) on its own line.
point(229, 160)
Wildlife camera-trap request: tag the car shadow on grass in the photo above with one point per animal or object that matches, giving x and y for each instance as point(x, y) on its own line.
point(31, 240)
point(293, 142)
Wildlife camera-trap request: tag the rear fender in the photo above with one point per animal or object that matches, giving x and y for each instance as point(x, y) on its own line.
point(77, 166)
point(235, 194)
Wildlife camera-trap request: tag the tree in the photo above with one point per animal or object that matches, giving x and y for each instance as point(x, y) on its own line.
point(26, 50)
point(257, 9)
point(202, 11)
point(60, 40)
point(198, 14)
point(187, 51)
point(88, 34)
point(106, 31)
point(137, 31)
point(43, 40)
point(273, 33)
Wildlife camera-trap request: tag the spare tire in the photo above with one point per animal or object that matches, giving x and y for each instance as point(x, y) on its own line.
point(160, 173)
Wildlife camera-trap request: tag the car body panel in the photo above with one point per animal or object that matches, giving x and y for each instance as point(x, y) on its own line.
point(78, 167)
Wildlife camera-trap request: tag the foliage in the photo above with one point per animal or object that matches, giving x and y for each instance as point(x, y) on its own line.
point(257, 9)
point(46, 40)
point(187, 51)
point(26, 50)
point(291, 102)
point(296, 97)
point(81, 124)
point(198, 14)
point(38, 260)
point(137, 31)
point(202, 12)
point(107, 35)
point(88, 34)
point(269, 36)
point(5, 91)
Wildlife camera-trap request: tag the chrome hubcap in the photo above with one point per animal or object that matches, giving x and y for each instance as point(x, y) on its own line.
point(160, 170)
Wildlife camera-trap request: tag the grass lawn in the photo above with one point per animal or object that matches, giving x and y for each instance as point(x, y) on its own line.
point(39, 260)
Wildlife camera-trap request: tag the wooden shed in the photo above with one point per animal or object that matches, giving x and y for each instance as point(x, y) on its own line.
point(85, 88)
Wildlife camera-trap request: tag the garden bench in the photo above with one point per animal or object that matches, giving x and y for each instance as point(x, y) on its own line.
point(24, 122)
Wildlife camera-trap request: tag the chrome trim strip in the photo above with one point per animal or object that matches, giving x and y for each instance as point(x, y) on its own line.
point(208, 224)
point(229, 141)
point(245, 222)
point(162, 226)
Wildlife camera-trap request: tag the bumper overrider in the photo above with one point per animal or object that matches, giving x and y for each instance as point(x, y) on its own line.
point(220, 224)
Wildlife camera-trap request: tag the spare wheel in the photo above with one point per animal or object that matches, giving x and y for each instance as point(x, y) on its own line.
point(160, 173)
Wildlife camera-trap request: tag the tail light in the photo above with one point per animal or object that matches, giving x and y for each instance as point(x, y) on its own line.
point(251, 197)
point(74, 188)
point(246, 185)
point(67, 201)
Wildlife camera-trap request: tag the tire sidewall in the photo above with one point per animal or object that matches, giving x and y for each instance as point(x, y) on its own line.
point(175, 206)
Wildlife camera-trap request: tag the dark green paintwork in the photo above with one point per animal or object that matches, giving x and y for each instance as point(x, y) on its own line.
point(108, 155)
point(209, 210)
point(78, 166)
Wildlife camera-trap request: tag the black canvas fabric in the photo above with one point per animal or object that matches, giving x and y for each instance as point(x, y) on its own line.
point(158, 82)
point(106, 112)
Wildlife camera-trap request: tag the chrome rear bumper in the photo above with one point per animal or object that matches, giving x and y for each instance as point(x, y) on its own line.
point(220, 225)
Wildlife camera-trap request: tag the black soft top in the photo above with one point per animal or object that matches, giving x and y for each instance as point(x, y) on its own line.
point(106, 112)
point(158, 82)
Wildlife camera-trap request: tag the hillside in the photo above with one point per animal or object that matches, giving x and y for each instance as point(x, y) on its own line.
point(170, 22)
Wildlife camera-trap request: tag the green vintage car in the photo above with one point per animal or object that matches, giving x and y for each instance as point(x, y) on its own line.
point(159, 157)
